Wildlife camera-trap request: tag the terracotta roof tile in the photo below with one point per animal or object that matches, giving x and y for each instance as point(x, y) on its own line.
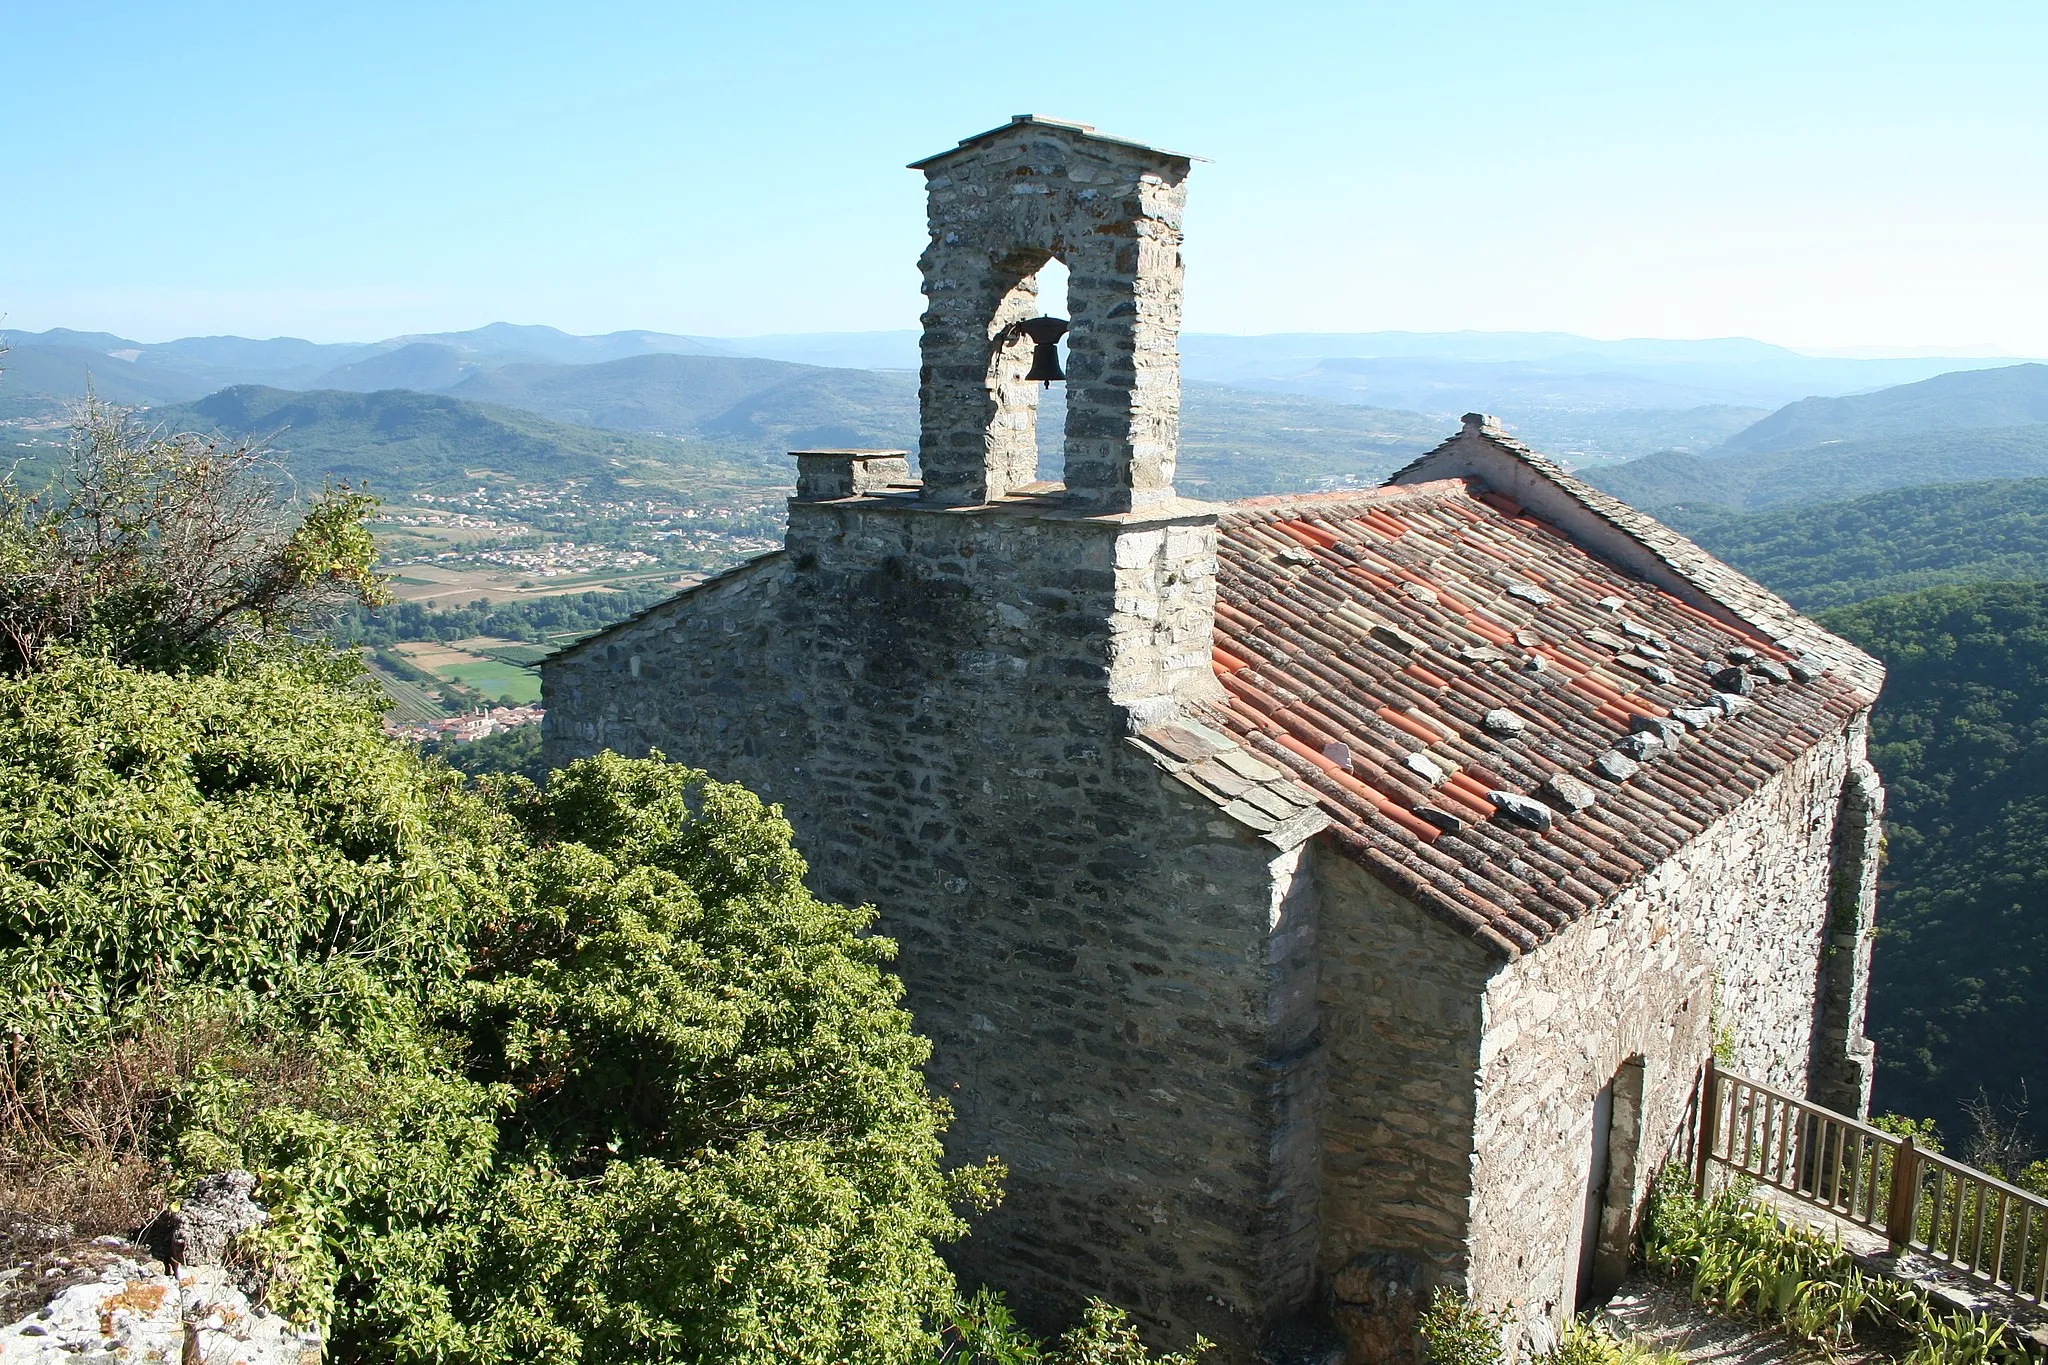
point(1357, 631)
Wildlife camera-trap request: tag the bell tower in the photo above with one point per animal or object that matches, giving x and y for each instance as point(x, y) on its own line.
point(1002, 204)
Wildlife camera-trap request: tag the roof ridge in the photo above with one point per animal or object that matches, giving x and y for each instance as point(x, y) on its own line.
point(1482, 449)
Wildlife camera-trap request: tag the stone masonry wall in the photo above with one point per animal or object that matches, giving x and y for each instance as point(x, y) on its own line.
point(1401, 1016)
point(1117, 979)
point(1728, 935)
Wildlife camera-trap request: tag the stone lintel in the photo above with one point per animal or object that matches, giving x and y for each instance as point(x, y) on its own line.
point(845, 473)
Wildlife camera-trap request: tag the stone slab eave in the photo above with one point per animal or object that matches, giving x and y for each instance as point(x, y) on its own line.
point(716, 580)
point(1083, 131)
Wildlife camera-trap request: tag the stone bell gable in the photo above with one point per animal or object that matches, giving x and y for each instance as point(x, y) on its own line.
point(1002, 204)
point(1312, 900)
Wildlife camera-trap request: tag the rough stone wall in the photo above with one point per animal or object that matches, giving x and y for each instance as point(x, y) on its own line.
point(1401, 1019)
point(999, 209)
point(1728, 935)
point(1114, 975)
point(1401, 1024)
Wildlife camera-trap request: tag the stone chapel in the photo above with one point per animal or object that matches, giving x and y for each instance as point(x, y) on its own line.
point(1314, 899)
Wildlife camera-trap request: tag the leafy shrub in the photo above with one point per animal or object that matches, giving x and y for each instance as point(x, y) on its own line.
point(163, 549)
point(981, 1331)
point(582, 1075)
point(1457, 1332)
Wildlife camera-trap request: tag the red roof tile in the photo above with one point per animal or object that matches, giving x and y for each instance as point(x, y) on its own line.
point(1356, 630)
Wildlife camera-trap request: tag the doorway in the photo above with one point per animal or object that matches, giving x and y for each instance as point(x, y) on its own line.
point(1607, 1221)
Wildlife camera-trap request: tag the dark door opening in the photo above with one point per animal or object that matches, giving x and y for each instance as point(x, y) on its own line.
point(1607, 1227)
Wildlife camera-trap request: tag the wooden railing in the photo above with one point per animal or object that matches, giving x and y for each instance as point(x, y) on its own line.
point(1919, 1200)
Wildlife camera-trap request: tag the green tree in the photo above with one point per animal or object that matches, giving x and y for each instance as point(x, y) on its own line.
point(163, 549)
point(576, 1075)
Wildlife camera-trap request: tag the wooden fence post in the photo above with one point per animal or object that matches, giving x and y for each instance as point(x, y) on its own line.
point(1903, 1210)
point(1703, 1134)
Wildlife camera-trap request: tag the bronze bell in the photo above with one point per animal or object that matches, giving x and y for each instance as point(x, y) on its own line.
point(1045, 334)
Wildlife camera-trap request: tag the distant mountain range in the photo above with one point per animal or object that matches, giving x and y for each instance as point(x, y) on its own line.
point(1976, 424)
point(1292, 418)
point(1584, 399)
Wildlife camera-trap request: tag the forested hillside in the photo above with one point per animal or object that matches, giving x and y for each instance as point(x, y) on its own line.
point(1835, 553)
point(1959, 996)
point(2013, 395)
point(396, 441)
point(1828, 472)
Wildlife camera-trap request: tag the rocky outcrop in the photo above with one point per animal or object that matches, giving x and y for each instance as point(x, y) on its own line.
point(110, 1301)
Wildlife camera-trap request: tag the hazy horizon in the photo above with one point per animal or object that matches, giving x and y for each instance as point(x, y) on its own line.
point(1985, 352)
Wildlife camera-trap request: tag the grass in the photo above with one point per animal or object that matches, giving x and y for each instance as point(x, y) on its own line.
point(494, 677)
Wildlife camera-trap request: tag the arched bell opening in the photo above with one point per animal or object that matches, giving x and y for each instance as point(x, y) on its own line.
point(1027, 372)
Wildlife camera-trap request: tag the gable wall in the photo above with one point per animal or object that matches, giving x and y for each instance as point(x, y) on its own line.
point(1729, 934)
point(1112, 973)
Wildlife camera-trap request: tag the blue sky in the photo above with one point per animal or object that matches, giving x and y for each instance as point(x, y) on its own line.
point(1823, 175)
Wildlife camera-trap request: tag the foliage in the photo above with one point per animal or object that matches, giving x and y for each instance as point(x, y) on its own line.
point(397, 442)
point(1741, 1260)
point(2003, 396)
point(1836, 553)
point(163, 549)
point(982, 1331)
point(576, 1075)
point(1960, 976)
point(514, 752)
point(1458, 1332)
point(539, 619)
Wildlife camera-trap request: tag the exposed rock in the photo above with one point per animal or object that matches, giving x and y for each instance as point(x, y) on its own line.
point(1616, 766)
point(1532, 595)
point(1425, 767)
point(1734, 679)
point(1803, 671)
point(134, 1311)
point(1396, 639)
point(1772, 669)
point(1516, 806)
point(1672, 732)
point(1732, 704)
point(1501, 721)
point(1698, 717)
point(218, 1210)
point(1650, 669)
point(1480, 654)
point(1442, 819)
point(1569, 792)
point(1534, 664)
point(1741, 654)
point(1644, 744)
